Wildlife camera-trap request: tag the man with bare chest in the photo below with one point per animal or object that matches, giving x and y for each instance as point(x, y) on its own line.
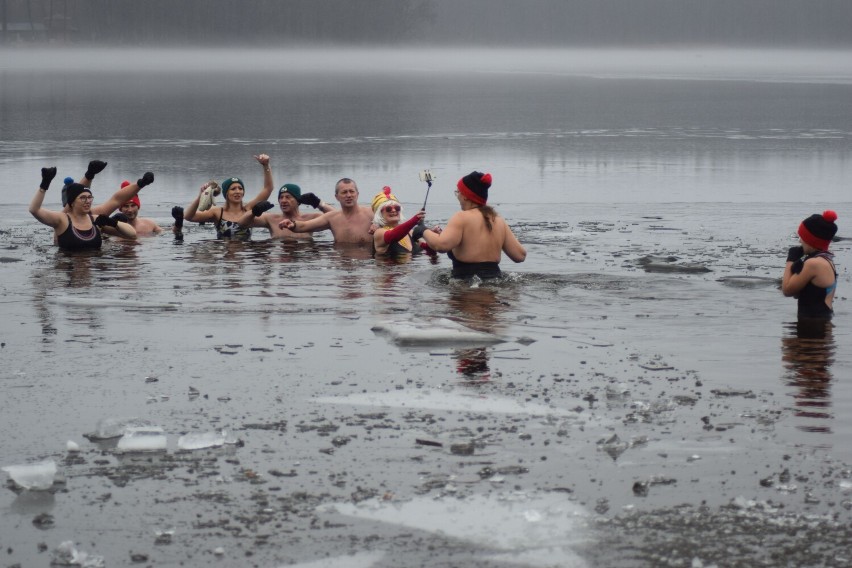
point(350, 224)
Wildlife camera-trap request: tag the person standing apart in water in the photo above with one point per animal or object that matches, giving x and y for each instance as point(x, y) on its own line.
point(76, 228)
point(475, 237)
point(810, 275)
point(350, 224)
point(227, 217)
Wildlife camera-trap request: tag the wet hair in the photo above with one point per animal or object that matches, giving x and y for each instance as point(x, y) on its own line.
point(344, 180)
point(488, 214)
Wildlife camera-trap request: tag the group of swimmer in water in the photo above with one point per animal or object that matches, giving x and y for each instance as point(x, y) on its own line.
point(474, 238)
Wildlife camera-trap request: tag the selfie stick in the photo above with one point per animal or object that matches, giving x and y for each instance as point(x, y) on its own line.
point(427, 177)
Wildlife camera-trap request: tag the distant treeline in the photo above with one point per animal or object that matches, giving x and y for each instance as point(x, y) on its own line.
point(432, 22)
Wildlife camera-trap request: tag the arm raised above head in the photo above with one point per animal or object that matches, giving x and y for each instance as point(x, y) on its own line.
point(266, 191)
point(46, 216)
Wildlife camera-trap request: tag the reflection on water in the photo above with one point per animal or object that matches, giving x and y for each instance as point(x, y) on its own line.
point(479, 306)
point(808, 349)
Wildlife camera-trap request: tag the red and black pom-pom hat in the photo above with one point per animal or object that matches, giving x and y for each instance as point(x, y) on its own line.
point(474, 186)
point(818, 230)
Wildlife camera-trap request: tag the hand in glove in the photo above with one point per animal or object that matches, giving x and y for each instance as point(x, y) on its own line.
point(146, 179)
point(310, 199)
point(95, 167)
point(261, 208)
point(104, 221)
point(177, 213)
point(795, 253)
point(121, 217)
point(47, 175)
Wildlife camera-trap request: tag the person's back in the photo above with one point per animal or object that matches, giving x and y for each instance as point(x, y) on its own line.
point(475, 237)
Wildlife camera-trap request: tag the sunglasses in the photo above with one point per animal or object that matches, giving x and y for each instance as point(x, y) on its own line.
point(390, 208)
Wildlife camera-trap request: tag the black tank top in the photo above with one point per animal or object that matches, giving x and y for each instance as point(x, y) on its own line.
point(75, 239)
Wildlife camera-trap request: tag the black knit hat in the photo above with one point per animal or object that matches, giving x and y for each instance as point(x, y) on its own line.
point(474, 186)
point(818, 230)
point(74, 191)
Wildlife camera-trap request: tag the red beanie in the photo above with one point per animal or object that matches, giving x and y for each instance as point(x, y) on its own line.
point(818, 230)
point(474, 186)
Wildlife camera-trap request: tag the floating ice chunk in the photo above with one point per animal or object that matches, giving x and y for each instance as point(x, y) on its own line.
point(36, 476)
point(438, 400)
point(434, 332)
point(108, 428)
point(540, 529)
point(143, 439)
point(72, 446)
point(66, 554)
point(201, 440)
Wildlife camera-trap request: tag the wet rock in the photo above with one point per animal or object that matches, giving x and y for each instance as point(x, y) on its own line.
point(465, 449)
point(43, 521)
point(640, 488)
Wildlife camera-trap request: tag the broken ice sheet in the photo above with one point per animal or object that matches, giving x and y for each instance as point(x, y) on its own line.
point(36, 476)
point(143, 439)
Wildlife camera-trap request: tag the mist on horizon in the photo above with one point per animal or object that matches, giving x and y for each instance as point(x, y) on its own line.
point(575, 23)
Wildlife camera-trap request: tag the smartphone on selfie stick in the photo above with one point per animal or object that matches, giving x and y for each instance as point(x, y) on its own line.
point(426, 175)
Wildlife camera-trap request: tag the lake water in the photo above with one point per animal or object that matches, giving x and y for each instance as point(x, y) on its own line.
point(648, 366)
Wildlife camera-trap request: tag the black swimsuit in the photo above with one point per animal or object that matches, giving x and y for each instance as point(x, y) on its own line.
point(812, 297)
point(231, 229)
point(483, 270)
point(75, 239)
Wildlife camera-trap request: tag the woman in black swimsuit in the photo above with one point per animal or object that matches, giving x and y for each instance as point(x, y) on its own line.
point(810, 275)
point(77, 228)
point(228, 216)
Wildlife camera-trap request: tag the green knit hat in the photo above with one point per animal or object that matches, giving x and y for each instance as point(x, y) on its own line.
point(292, 189)
point(226, 185)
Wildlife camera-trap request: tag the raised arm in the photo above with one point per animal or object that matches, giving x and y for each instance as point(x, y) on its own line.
point(191, 212)
point(264, 194)
point(123, 195)
point(46, 216)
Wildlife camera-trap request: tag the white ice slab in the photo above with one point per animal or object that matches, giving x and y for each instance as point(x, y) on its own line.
point(440, 400)
point(36, 476)
point(538, 530)
point(439, 331)
point(143, 439)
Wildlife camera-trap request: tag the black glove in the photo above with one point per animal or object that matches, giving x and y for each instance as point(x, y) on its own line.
point(797, 266)
point(417, 231)
point(310, 199)
point(95, 167)
point(47, 175)
point(261, 208)
point(177, 213)
point(121, 217)
point(146, 179)
point(103, 220)
point(795, 253)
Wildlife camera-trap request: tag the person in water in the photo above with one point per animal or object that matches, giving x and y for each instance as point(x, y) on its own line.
point(475, 237)
point(392, 237)
point(227, 217)
point(350, 224)
point(77, 227)
point(129, 213)
point(810, 275)
point(290, 196)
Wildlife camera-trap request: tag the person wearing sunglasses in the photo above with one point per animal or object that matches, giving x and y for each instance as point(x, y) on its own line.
point(393, 237)
point(79, 225)
point(475, 237)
